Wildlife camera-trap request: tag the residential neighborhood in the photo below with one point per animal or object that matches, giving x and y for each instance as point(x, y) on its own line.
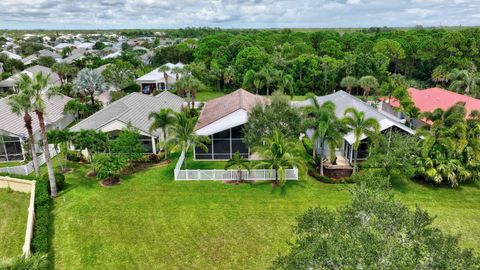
point(253, 141)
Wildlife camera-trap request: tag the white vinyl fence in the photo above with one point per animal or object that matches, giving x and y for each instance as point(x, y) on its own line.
point(229, 175)
point(28, 168)
point(27, 187)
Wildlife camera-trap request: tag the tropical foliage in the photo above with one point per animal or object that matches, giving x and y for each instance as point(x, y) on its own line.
point(374, 231)
point(449, 151)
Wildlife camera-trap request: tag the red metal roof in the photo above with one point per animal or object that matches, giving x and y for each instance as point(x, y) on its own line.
point(430, 99)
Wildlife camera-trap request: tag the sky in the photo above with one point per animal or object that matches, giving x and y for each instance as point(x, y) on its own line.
point(162, 14)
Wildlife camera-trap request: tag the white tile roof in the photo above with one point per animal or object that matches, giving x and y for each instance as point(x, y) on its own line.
point(157, 76)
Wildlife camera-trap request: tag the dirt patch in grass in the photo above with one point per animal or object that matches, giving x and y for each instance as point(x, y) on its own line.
point(66, 170)
point(111, 181)
point(92, 174)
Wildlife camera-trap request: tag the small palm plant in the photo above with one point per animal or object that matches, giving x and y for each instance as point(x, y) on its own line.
point(239, 163)
point(279, 154)
point(164, 120)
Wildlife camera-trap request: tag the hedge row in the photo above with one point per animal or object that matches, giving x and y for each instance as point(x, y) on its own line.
point(40, 240)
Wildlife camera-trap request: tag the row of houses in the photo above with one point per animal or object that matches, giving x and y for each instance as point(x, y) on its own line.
point(222, 119)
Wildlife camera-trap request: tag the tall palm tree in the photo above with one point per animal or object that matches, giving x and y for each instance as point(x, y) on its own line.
point(37, 90)
point(285, 84)
point(466, 81)
point(279, 154)
point(164, 119)
point(258, 82)
point(239, 163)
point(89, 83)
point(356, 122)
point(20, 104)
point(327, 129)
point(229, 75)
point(349, 83)
point(165, 69)
point(184, 134)
point(269, 75)
point(367, 83)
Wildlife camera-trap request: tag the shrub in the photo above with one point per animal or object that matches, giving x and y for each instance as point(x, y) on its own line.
point(59, 180)
point(41, 241)
point(73, 156)
point(132, 88)
point(155, 158)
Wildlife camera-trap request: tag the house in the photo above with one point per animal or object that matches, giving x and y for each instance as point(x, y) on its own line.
point(342, 101)
point(156, 79)
point(132, 110)
point(222, 120)
point(29, 59)
point(428, 100)
point(9, 84)
point(45, 52)
point(11, 55)
point(77, 54)
point(13, 132)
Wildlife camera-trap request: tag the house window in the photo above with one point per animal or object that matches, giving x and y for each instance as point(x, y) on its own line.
point(10, 148)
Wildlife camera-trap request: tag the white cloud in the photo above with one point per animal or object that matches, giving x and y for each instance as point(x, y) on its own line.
point(235, 13)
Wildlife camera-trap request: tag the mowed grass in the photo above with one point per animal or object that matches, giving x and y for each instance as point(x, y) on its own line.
point(150, 221)
point(13, 222)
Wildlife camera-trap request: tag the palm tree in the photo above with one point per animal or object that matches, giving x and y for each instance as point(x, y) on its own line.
point(36, 90)
point(63, 70)
point(327, 129)
point(164, 119)
point(258, 82)
point(89, 82)
point(239, 163)
point(356, 122)
point(177, 71)
point(285, 84)
point(466, 81)
point(269, 75)
point(349, 83)
point(367, 83)
point(165, 69)
point(279, 154)
point(184, 131)
point(67, 51)
point(229, 75)
point(20, 104)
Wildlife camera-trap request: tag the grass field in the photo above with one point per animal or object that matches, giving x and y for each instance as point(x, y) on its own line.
point(10, 164)
point(150, 221)
point(13, 222)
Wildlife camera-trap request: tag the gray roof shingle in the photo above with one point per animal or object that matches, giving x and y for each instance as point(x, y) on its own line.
point(13, 124)
point(133, 109)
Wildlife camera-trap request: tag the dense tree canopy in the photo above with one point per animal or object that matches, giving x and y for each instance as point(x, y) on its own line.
point(374, 231)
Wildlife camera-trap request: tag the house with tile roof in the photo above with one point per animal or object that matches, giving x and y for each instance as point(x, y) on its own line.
point(428, 100)
point(10, 83)
point(342, 100)
point(156, 79)
point(13, 132)
point(132, 110)
point(222, 120)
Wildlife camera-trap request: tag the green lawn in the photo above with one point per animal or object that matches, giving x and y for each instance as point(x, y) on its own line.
point(10, 164)
point(150, 221)
point(13, 222)
point(208, 94)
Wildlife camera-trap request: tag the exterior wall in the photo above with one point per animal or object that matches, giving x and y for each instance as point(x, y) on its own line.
point(223, 145)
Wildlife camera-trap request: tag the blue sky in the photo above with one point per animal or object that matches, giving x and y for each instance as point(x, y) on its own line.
point(108, 14)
